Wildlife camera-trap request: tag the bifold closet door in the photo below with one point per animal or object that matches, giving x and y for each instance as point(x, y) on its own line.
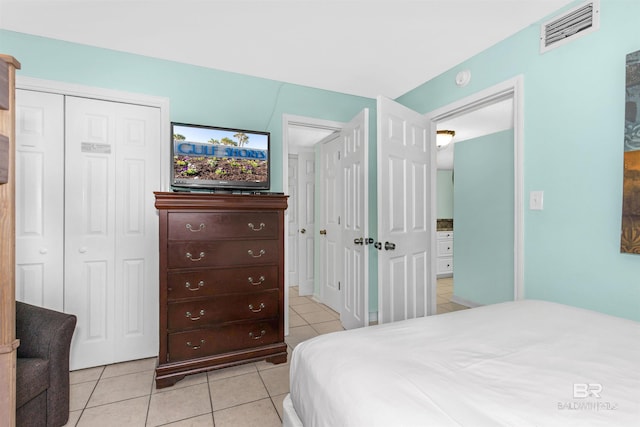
point(39, 198)
point(112, 167)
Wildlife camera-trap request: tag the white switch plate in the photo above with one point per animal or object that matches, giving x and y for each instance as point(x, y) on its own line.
point(536, 200)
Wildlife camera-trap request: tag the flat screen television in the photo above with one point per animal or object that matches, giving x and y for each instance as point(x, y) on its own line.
point(217, 158)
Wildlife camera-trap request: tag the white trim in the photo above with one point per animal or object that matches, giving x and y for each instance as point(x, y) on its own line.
point(515, 88)
point(465, 302)
point(71, 89)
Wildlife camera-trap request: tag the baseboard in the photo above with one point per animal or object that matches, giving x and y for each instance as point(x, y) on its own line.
point(464, 302)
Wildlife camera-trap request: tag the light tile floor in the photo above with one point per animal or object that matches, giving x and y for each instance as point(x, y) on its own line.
point(124, 394)
point(444, 292)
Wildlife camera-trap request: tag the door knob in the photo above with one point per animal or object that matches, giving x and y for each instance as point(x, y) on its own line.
point(303, 231)
point(388, 246)
point(377, 245)
point(323, 232)
point(358, 241)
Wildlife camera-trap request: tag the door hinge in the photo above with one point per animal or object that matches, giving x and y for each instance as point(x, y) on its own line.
point(338, 285)
point(338, 219)
point(168, 360)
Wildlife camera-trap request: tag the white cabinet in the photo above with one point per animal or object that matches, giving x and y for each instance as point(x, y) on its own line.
point(444, 244)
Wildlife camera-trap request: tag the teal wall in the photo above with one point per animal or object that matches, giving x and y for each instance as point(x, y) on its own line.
point(574, 99)
point(483, 219)
point(199, 95)
point(444, 196)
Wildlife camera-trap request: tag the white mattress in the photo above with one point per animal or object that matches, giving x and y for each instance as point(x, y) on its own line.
point(524, 363)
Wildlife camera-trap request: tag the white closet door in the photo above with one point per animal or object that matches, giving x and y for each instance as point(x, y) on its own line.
point(39, 198)
point(292, 217)
point(112, 160)
point(331, 237)
point(306, 220)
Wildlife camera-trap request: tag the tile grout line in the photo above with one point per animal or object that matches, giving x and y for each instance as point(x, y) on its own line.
point(90, 395)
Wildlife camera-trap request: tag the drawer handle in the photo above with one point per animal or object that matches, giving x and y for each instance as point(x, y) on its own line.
point(193, 319)
point(253, 336)
point(195, 347)
point(258, 310)
point(259, 282)
point(195, 259)
point(261, 226)
point(250, 252)
point(197, 288)
point(191, 229)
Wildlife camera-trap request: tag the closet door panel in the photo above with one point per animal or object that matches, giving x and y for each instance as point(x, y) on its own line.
point(90, 241)
point(136, 228)
point(112, 168)
point(39, 198)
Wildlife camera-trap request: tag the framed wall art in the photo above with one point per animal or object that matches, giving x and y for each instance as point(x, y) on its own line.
point(630, 236)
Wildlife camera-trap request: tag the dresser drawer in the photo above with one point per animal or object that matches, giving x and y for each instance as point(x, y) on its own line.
point(445, 234)
point(222, 225)
point(224, 308)
point(208, 282)
point(215, 340)
point(445, 247)
point(222, 253)
point(444, 265)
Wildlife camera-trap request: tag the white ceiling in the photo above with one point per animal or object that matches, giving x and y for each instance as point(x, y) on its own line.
point(359, 47)
point(306, 137)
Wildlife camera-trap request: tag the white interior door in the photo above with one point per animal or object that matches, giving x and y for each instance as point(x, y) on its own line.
point(354, 139)
point(112, 163)
point(292, 218)
point(330, 234)
point(306, 220)
point(39, 201)
point(406, 225)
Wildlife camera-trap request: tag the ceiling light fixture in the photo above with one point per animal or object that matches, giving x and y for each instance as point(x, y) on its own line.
point(444, 138)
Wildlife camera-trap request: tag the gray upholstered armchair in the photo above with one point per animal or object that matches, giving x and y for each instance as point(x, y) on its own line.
point(42, 377)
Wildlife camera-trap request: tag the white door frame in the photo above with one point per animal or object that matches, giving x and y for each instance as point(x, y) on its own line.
point(63, 88)
point(515, 88)
point(287, 121)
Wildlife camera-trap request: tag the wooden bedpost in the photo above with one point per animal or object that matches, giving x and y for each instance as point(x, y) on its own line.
point(8, 341)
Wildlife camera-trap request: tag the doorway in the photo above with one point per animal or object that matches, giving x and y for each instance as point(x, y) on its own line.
point(299, 137)
point(345, 245)
point(500, 107)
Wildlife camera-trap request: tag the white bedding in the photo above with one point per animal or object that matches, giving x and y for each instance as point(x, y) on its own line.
point(523, 363)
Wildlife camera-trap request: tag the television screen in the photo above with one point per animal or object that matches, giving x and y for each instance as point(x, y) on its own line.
point(208, 157)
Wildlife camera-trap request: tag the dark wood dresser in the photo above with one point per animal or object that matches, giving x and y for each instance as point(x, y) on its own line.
point(221, 282)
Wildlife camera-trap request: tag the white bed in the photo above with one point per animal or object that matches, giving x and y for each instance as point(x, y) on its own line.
point(523, 363)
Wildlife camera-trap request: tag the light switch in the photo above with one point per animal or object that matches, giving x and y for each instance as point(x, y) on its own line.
point(536, 200)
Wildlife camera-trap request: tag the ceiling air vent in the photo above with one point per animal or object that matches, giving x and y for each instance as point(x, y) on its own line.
point(575, 23)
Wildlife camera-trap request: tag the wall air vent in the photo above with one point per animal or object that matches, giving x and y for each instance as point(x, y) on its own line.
point(575, 23)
